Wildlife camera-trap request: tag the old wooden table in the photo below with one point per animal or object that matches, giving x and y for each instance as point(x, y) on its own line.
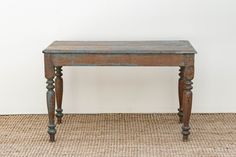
point(118, 53)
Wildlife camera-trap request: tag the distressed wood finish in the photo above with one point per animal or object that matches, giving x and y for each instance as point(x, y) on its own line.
point(180, 90)
point(120, 47)
point(119, 53)
point(188, 74)
point(59, 93)
point(50, 96)
point(120, 59)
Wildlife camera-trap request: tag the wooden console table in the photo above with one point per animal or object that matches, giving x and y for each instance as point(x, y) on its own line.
point(118, 53)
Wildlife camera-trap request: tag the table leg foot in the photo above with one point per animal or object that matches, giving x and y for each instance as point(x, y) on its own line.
point(186, 133)
point(52, 138)
point(52, 132)
point(59, 115)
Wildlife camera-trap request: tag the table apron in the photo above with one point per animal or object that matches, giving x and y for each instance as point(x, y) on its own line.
point(122, 59)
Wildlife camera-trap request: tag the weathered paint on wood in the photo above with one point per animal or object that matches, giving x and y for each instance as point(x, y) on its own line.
point(188, 74)
point(122, 59)
point(140, 47)
point(51, 109)
point(180, 90)
point(59, 93)
point(119, 53)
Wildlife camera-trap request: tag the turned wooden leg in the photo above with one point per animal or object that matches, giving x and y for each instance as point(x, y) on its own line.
point(188, 74)
point(180, 90)
point(51, 109)
point(59, 93)
point(49, 74)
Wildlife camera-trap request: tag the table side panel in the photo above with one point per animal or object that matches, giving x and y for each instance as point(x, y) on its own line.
point(122, 59)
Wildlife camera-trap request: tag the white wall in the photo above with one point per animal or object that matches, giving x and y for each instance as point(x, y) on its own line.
point(27, 27)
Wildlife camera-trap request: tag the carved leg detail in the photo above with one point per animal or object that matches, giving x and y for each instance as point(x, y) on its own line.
point(59, 93)
point(181, 83)
point(188, 74)
point(51, 109)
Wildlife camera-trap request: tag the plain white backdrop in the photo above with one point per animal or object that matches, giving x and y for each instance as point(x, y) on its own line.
point(27, 27)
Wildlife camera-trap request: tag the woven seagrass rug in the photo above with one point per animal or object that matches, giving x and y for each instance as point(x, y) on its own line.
point(118, 135)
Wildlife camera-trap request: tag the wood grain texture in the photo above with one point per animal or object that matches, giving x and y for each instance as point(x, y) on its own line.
point(122, 59)
point(59, 93)
point(180, 92)
point(180, 47)
point(188, 75)
point(48, 66)
point(51, 109)
point(119, 53)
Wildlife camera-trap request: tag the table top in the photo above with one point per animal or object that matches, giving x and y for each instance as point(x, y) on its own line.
point(120, 47)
